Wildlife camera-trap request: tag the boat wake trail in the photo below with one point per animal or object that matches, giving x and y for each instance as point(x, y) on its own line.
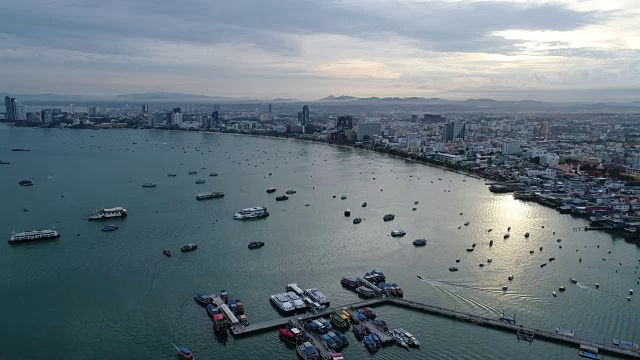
point(175, 346)
point(481, 305)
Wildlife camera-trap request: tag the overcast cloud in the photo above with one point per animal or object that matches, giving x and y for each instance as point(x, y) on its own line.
point(310, 49)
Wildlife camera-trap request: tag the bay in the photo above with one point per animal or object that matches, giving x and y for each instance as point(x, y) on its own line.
point(101, 295)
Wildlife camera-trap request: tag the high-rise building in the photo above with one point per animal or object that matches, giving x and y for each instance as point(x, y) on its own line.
point(414, 117)
point(214, 117)
point(92, 110)
point(145, 109)
point(511, 147)
point(206, 123)
point(454, 131)
point(305, 117)
point(344, 123)
point(367, 130)
point(542, 130)
point(46, 117)
point(433, 118)
point(11, 108)
point(22, 112)
point(413, 140)
point(72, 109)
point(269, 110)
point(176, 116)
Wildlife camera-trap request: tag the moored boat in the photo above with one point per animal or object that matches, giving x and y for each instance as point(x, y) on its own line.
point(243, 320)
point(189, 247)
point(219, 324)
point(399, 339)
point(34, 235)
point(359, 331)
point(398, 232)
point(338, 321)
point(370, 343)
point(202, 299)
point(239, 307)
point(108, 213)
point(224, 295)
point(282, 198)
point(255, 244)
point(149, 185)
point(209, 195)
point(251, 213)
point(351, 283)
point(271, 190)
point(212, 310)
point(365, 292)
point(419, 242)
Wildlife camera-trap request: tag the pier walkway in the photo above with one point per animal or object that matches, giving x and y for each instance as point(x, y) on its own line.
point(382, 335)
point(548, 335)
point(239, 330)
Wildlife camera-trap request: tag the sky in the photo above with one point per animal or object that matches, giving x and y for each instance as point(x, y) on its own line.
point(501, 49)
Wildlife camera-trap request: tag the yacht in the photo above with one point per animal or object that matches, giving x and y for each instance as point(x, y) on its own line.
point(209, 195)
point(317, 296)
point(250, 213)
point(282, 302)
point(271, 190)
point(34, 235)
point(388, 217)
point(188, 247)
point(108, 213)
point(282, 198)
point(420, 242)
point(398, 232)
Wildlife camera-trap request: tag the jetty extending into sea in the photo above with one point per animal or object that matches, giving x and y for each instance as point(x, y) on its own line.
point(522, 332)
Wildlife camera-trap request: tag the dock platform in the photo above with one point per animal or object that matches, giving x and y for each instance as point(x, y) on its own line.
point(384, 337)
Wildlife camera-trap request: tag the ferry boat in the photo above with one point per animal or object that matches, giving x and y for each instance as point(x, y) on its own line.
point(290, 192)
point(25, 182)
point(282, 302)
point(271, 190)
point(282, 198)
point(109, 228)
point(317, 296)
point(625, 344)
point(185, 353)
point(398, 232)
point(388, 217)
point(296, 300)
point(149, 185)
point(209, 195)
point(308, 351)
point(357, 220)
point(419, 242)
point(108, 213)
point(255, 244)
point(250, 213)
point(200, 181)
point(188, 247)
point(347, 212)
point(351, 283)
point(34, 235)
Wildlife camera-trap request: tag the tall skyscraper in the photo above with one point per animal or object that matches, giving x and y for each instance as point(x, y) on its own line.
point(72, 109)
point(214, 117)
point(454, 131)
point(92, 110)
point(22, 112)
point(11, 108)
point(176, 116)
point(305, 118)
point(145, 109)
point(269, 110)
point(344, 123)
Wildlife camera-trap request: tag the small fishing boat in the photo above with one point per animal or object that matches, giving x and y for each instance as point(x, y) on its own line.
point(25, 183)
point(531, 251)
point(282, 198)
point(149, 185)
point(414, 209)
point(526, 234)
point(551, 259)
point(109, 228)
point(185, 353)
point(506, 236)
point(554, 294)
point(347, 212)
point(224, 295)
point(491, 243)
point(466, 224)
point(202, 299)
point(166, 252)
point(388, 217)
point(489, 260)
point(2, 162)
point(419, 242)
point(255, 244)
point(188, 247)
point(343, 197)
point(213, 174)
point(504, 288)
point(481, 265)
point(364, 204)
point(200, 181)
point(573, 281)
point(172, 175)
point(290, 192)
point(357, 220)
point(457, 260)
point(416, 202)
point(562, 288)
point(271, 190)
point(470, 249)
point(510, 277)
point(359, 331)
point(192, 172)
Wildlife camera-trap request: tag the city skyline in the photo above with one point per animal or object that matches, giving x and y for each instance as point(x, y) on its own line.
point(504, 49)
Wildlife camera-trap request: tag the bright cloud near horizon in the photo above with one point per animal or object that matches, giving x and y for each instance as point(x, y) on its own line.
point(504, 49)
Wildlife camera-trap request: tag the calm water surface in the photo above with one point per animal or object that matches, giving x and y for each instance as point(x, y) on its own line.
point(93, 295)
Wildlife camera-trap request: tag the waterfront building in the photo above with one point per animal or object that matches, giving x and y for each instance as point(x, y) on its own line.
point(92, 110)
point(454, 130)
point(11, 108)
point(72, 109)
point(368, 130)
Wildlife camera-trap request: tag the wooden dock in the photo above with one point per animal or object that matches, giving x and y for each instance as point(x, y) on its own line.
point(508, 326)
point(240, 330)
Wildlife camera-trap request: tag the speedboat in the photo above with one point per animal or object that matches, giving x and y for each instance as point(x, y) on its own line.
point(453, 268)
point(470, 249)
point(255, 244)
point(573, 281)
point(364, 204)
point(271, 190)
point(188, 247)
point(466, 224)
point(414, 209)
point(25, 182)
point(504, 288)
point(357, 220)
point(192, 172)
point(213, 174)
point(109, 228)
point(398, 232)
point(554, 294)
point(282, 198)
point(166, 253)
point(185, 353)
point(290, 192)
point(172, 175)
point(416, 202)
point(506, 236)
point(399, 339)
point(489, 260)
point(388, 217)
point(149, 185)
point(562, 288)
